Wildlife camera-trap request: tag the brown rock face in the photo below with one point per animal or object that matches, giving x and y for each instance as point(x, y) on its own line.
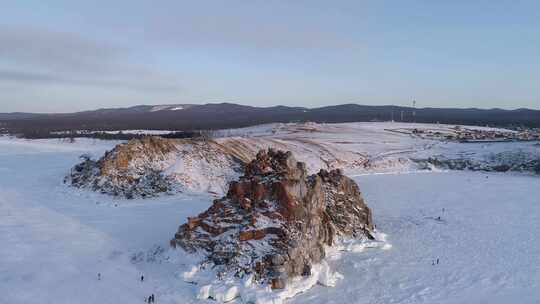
point(127, 170)
point(154, 148)
point(275, 220)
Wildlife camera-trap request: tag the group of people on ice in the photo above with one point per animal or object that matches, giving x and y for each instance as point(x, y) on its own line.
point(150, 299)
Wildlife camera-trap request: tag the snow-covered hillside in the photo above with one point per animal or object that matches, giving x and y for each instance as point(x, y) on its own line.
point(208, 165)
point(56, 239)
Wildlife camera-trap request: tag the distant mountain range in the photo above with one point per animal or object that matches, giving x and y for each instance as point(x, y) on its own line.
point(189, 117)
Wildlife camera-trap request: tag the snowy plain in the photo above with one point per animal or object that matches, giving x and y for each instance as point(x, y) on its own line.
point(56, 239)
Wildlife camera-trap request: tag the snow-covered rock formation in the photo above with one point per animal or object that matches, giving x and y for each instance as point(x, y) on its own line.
point(276, 221)
point(150, 166)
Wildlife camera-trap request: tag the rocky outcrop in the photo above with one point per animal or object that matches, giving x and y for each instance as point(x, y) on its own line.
point(276, 221)
point(152, 166)
point(129, 170)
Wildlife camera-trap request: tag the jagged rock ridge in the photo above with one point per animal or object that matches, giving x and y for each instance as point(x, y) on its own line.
point(275, 221)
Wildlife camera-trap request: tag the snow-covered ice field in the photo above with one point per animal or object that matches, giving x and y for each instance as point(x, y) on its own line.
point(486, 241)
point(54, 239)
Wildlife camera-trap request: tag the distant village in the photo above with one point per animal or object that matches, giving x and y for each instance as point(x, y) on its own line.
point(465, 134)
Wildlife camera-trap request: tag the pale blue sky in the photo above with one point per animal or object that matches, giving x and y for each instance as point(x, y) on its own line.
point(61, 56)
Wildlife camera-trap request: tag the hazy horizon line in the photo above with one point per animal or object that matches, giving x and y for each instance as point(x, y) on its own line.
point(276, 105)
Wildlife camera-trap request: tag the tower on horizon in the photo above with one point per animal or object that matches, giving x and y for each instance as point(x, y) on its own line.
point(414, 110)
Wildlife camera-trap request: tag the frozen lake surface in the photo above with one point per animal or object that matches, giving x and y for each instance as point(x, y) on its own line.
point(56, 239)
